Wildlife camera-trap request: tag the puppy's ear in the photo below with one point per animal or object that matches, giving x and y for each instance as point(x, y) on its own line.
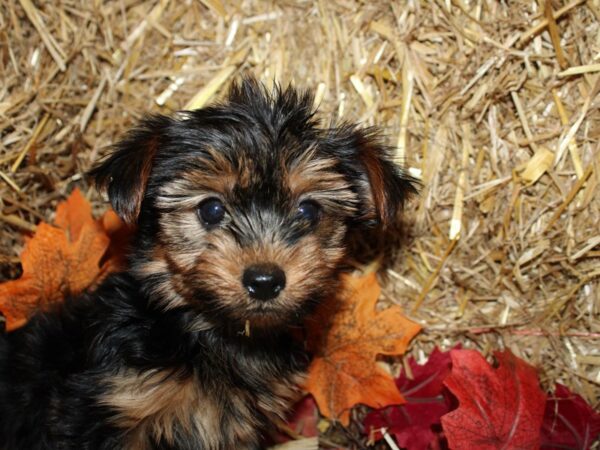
point(383, 186)
point(125, 171)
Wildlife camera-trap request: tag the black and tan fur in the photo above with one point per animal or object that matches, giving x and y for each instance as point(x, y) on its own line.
point(159, 357)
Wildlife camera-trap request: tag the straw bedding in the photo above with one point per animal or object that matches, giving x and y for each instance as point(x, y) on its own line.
point(492, 104)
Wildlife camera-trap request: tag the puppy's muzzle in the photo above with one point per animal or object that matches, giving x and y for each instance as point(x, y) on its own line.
point(264, 281)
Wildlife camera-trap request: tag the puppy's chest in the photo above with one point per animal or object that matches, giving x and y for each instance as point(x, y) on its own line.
point(158, 408)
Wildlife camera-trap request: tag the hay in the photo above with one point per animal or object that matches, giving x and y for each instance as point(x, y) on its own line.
point(493, 104)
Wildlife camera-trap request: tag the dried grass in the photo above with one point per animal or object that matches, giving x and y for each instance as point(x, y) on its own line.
point(493, 104)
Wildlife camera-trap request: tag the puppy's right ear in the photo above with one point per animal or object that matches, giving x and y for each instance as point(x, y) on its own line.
point(125, 171)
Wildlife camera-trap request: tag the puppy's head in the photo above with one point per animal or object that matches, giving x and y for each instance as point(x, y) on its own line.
point(243, 207)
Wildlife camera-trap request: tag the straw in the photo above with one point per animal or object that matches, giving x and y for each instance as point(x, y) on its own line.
point(493, 105)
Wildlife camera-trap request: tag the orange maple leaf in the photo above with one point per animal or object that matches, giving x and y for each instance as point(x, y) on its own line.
point(73, 214)
point(58, 261)
point(344, 371)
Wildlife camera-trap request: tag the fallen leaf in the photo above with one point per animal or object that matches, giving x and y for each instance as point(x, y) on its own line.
point(120, 235)
point(58, 262)
point(414, 423)
point(305, 417)
point(302, 421)
point(569, 422)
point(53, 267)
point(345, 341)
point(73, 214)
point(498, 408)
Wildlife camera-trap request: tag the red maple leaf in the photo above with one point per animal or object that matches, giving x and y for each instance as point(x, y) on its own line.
point(426, 402)
point(498, 408)
point(301, 421)
point(569, 422)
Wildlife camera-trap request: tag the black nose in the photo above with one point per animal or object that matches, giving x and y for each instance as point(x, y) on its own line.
point(264, 281)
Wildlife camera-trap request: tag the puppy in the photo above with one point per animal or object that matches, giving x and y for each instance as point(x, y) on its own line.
point(242, 212)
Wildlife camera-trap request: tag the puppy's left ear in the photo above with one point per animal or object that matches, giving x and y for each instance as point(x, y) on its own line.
point(124, 173)
point(384, 186)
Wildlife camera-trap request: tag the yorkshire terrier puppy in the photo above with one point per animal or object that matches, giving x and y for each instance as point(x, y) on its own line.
point(242, 212)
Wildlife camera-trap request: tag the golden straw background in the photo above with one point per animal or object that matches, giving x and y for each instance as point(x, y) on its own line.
point(492, 104)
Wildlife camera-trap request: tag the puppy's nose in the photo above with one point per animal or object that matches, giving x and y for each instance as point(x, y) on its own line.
point(264, 281)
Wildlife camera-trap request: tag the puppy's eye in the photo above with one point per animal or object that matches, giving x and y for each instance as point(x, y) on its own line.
point(310, 211)
point(211, 211)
